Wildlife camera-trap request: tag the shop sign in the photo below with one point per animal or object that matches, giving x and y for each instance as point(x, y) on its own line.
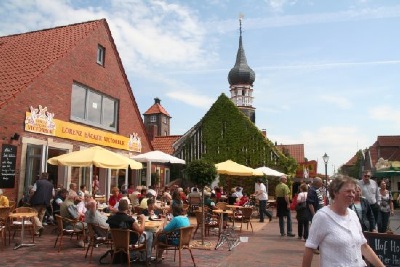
point(41, 121)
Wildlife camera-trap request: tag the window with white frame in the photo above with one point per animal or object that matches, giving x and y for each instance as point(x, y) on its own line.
point(93, 108)
point(101, 52)
point(153, 118)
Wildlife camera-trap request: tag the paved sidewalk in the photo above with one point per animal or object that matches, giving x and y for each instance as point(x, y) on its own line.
point(265, 247)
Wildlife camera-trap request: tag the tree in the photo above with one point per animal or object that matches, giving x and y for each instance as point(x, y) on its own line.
point(201, 172)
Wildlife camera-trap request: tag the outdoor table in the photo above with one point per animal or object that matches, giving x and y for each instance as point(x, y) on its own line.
point(23, 216)
point(221, 222)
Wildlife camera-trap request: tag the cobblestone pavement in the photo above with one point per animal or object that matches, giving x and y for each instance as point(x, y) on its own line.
point(265, 247)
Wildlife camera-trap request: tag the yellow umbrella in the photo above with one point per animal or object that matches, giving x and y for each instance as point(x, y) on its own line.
point(230, 167)
point(97, 156)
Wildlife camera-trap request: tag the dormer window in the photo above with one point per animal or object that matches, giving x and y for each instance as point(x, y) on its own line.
point(101, 52)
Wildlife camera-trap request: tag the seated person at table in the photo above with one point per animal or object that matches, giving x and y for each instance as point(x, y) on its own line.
point(114, 199)
point(194, 193)
point(121, 220)
point(167, 195)
point(134, 196)
point(69, 210)
point(143, 193)
point(143, 202)
point(60, 198)
point(183, 195)
point(233, 198)
point(92, 215)
point(176, 201)
point(243, 200)
point(177, 222)
point(3, 200)
point(151, 210)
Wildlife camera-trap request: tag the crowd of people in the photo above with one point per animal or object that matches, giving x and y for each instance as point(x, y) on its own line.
point(331, 220)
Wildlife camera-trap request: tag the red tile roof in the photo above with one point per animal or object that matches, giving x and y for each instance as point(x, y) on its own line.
point(164, 143)
point(391, 140)
point(296, 151)
point(352, 161)
point(25, 56)
point(156, 109)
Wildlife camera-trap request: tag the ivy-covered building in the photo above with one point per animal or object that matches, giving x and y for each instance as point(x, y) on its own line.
point(226, 133)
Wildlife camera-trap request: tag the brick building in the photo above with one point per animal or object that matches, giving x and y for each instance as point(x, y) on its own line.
point(65, 89)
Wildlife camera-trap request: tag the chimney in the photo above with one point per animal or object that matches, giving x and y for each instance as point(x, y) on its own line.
point(264, 132)
point(157, 100)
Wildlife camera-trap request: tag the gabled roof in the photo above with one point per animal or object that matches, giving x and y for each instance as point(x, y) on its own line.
point(156, 109)
point(164, 143)
point(296, 151)
point(352, 161)
point(25, 56)
point(391, 140)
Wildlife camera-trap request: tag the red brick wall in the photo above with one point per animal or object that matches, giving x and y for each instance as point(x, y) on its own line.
point(52, 89)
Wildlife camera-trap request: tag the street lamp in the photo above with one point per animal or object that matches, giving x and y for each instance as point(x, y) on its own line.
point(325, 157)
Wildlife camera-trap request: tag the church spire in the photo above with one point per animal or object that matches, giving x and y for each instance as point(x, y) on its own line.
point(241, 78)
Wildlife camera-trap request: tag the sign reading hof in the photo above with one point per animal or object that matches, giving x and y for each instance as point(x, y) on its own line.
point(386, 246)
point(7, 166)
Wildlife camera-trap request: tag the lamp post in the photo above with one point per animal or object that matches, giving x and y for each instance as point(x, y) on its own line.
point(325, 157)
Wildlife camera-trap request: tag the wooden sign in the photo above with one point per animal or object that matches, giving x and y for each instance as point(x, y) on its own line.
point(386, 246)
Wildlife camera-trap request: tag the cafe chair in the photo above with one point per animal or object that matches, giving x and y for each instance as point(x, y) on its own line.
point(210, 222)
point(3, 234)
point(122, 245)
point(221, 205)
point(184, 235)
point(69, 231)
point(15, 224)
point(97, 236)
point(4, 211)
point(194, 203)
point(246, 218)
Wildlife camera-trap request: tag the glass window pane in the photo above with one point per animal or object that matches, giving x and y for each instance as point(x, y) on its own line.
point(78, 101)
point(94, 107)
point(109, 115)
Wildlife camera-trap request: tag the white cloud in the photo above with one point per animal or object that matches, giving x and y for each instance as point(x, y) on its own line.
point(192, 99)
point(385, 113)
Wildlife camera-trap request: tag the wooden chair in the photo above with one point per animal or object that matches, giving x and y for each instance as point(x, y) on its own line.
point(97, 236)
point(221, 205)
point(121, 243)
point(15, 224)
point(4, 211)
point(3, 234)
point(194, 204)
point(246, 218)
point(185, 235)
point(72, 230)
point(210, 222)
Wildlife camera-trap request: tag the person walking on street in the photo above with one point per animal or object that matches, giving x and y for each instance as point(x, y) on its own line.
point(315, 199)
point(386, 208)
point(336, 230)
point(370, 190)
point(261, 194)
point(282, 192)
point(41, 194)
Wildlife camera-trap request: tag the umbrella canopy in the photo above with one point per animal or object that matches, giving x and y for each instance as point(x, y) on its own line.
point(97, 156)
point(269, 172)
point(230, 167)
point(158, 156)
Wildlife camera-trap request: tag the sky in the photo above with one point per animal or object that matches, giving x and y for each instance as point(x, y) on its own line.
point(327, 72)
